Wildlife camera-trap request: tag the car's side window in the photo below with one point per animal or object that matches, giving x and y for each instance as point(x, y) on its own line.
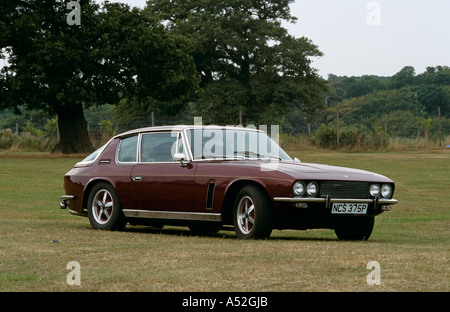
point(159, 147)
point(128, 149)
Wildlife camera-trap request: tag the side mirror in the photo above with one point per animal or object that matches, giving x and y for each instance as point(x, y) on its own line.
point(181, 158)
point(297, 160)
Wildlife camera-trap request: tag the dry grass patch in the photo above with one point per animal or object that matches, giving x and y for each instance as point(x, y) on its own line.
point(411, 243)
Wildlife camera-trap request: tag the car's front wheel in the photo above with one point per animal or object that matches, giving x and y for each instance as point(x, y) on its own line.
point(355, 228)
point(104, 210)
point(252, 214)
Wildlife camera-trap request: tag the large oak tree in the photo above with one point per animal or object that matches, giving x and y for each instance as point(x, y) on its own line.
point(247, 60)
point(61, 68)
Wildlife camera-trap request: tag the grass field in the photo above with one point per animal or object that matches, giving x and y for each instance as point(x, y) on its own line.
point(411, 243)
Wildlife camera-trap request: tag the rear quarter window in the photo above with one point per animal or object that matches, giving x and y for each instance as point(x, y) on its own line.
point(128, 149)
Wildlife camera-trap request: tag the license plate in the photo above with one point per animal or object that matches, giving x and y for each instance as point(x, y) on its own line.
point(349, 208)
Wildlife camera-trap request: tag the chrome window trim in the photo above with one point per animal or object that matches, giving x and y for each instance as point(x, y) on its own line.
point(156, 132)
point(88, 163)
point(138, 150)
point(118, 149)
point(225, 128)
point(187, 145)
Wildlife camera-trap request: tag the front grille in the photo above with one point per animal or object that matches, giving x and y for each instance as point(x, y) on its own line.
point(344, 189)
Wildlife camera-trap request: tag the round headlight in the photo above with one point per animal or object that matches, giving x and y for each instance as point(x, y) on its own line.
point(312, 189)
point(386, 190)
point(374, 190)
point(298, 188)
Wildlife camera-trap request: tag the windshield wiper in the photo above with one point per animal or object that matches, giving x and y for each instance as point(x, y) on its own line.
point(248, 153)
point(227, 157)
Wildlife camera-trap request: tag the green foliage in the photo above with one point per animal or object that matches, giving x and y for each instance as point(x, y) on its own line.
point(405, 77)
point(377, 139)
point(7, 138)
point(30, 129)
point(62, 68)
point(29, 142)
point(50, 127)
point(350, 137)
point(431, 97)
point(399, 104)
point(325, 137)
point(25, 141)
point(246, 60)
point(180, 59)
point(106, 129)
point(95, 114)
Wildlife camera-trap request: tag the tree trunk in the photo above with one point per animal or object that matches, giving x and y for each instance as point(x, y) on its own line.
point(73, 131)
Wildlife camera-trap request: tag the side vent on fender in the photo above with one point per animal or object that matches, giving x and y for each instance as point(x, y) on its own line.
point(210, 194)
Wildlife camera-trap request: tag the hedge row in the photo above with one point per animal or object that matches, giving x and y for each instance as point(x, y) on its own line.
point(350, 137)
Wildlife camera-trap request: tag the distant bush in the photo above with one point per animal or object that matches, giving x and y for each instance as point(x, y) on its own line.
point(25, 141)
point(325, 137)
point(7, 138)
point(350, 137)
point(377, 139)
point(29, 142)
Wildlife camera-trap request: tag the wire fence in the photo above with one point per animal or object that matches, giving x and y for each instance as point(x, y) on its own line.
point(339, 129)
point(399, 124)
point(328, 129)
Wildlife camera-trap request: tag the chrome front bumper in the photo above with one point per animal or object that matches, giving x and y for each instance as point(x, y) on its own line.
point(384, 203)
point(64, 203)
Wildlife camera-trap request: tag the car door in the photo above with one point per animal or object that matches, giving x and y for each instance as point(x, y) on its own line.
point(159, 182)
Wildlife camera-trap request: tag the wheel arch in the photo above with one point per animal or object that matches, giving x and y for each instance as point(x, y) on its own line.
point(89, 186)
point(230, 195)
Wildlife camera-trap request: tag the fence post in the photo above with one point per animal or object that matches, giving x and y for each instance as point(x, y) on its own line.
point(337, 129)
point(439, 126)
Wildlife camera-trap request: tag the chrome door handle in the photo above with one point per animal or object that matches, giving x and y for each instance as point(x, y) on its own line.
point(137, 178)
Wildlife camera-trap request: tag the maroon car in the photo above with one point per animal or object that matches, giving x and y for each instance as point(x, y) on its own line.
point(208, 178)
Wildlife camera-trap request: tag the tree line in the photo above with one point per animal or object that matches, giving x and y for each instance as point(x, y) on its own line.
point(229, 61)
point(222, 55)
point(404, 105)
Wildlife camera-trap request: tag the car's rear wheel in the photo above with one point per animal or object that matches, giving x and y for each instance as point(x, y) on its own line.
point(355, 228)
point(252, 214)
point(104, 210)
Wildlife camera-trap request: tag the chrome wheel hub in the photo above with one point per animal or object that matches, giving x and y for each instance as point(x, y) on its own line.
point(102, 206)
point(246, 215)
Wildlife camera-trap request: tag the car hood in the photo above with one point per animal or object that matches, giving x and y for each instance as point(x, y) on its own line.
point(311, 171)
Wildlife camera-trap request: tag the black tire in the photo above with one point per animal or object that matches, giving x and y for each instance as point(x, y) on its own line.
point(355, 228)
point(104, 209)
point(252, 213)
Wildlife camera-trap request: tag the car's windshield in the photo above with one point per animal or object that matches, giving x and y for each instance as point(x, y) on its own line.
point(233, 143)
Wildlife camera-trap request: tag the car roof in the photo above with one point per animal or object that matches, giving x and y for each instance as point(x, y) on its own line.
point(180, 128)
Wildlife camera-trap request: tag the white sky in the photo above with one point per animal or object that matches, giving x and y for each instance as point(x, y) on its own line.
point(399, 33)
